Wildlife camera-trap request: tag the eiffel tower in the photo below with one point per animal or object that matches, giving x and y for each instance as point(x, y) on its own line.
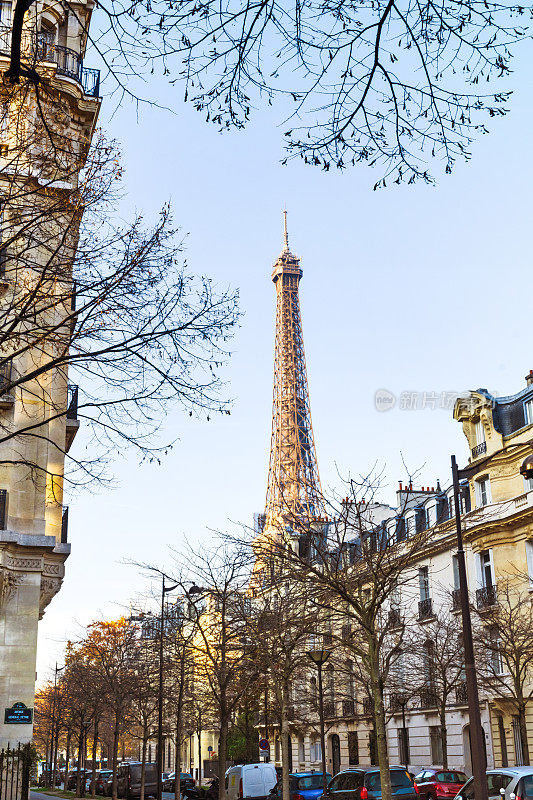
point(294, 491)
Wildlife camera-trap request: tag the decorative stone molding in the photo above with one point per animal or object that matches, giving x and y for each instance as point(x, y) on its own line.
point(53, 568)
point(8, 586)
point(24, 564)
point(49, 588)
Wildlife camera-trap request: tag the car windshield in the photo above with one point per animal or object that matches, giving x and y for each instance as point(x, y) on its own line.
point(185, 775)
point(526, 792)
point(399, 780)
point(451, 777)
point(312, 781)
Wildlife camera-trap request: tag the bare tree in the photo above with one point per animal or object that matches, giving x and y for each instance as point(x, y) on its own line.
point(505, 648)
point(387, 83)
point(86, 300)
point(351, 564)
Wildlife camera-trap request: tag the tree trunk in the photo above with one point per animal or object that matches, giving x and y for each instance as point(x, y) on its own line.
point(116, 733)
point(443, 734)
point(222, 750)
point(78, 769)
point(67, 757)
point(376, 685)
point(177, 756)
point(143, 762)
point(523, 732)
point(285, 741)
point(95, 745)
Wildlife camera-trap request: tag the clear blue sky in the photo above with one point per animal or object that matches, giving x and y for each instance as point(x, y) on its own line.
point(408, 289)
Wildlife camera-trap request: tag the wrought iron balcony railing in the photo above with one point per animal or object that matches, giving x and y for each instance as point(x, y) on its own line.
point(428, 698)
point(479, 449)
point(397, 701)
point(395, 618)
point(329, 709)
point(461, 697)
point(348, 708)
point(486, 597)
point(425, 610)
point(40, 48)
point(456, 599)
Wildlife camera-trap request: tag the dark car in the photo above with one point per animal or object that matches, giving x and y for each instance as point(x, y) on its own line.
point(302, 786)
point(129, 780)
point(101, 776)
point(186, 781)
point(73, 776)
point(364, 783)
point(439, 783)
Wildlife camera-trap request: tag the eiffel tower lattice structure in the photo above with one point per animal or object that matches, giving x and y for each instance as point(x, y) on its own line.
point(294, 490)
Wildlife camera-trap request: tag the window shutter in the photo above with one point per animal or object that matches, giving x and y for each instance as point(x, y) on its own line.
point(3, 509)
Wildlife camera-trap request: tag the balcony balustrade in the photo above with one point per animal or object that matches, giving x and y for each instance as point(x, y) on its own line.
point(368, 706)
point(40, 47)
point(486, 597)
point(456, 600)
point(348, 708)
point(461, 697)
point(397, 702)
point(425, 610)
point(428, 698)
point(479, 450)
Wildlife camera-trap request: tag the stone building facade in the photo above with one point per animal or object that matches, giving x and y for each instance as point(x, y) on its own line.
point(33, 521)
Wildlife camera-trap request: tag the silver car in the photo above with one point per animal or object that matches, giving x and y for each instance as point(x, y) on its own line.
point(505, 783)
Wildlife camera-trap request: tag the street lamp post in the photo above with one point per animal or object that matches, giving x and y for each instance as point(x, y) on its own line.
point(319, 658)
point(55, 731)
point(164, 591)
point(479, 761)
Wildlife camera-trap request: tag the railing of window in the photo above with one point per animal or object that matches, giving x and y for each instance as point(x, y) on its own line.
point(486, 596)
point(69, 62)
point(479, 449)
point(425, 609)
point(456, 599)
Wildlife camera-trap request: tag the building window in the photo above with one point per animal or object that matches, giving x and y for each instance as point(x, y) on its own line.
point(455, 567)
point(313, 691)
point(301, 750)
point(486, 569)
point(480, 432)
point(529, 560)
point(423, 583)
point(483, 496)
point(277, 750)
point(528, 412)
point(316, 751)
point(435, 736)
point(353, 748)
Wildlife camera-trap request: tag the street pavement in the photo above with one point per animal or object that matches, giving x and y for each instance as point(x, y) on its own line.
point(40, 795)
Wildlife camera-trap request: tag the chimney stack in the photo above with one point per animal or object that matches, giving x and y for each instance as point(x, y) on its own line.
point(529, 377)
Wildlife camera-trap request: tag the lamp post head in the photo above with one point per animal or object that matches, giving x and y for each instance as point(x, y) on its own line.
point(526, 469)
point(318, 657)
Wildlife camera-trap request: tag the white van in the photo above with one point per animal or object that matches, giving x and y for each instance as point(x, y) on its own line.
point(250, 781)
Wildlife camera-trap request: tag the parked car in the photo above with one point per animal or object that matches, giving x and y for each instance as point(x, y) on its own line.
point(504, 783)
point(436, 783)
point(252, 781)
point(129, 780)
point(302, 786)
point(101, 776)
point(364, 783)
point(73, 776)
point(186, 781)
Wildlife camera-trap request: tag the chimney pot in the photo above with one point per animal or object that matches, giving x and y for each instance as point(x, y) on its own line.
point(529, 377)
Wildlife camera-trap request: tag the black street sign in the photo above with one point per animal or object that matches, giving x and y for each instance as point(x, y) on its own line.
point(18, 714)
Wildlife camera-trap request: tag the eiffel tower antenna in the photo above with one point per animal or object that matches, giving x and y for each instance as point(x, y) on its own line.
point(294, 489)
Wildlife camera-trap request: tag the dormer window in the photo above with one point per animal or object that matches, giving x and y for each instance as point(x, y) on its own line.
point(528, 412)
point(480, 432)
